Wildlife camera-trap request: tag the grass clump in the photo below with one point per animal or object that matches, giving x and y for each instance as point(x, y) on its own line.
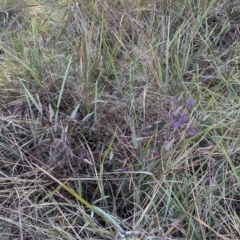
point(119, 120)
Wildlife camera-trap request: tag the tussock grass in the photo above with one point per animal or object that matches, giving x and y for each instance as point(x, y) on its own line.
point(119, 120)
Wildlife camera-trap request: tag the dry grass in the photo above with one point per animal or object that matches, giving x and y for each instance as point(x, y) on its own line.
point(119, 120)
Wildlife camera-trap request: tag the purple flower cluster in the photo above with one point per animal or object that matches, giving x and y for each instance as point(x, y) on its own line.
point(181, 119)
point(176, 121)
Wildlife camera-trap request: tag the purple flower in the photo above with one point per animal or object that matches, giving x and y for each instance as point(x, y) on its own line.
point(192, 132)
point(166, 142)
point(76, 116)
point(135, 152)
point(142, 159)
point(155, 153)
point(145, 132)
point(191, 102)
point(176, 124)
point(183, 118)
point(83, 155)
